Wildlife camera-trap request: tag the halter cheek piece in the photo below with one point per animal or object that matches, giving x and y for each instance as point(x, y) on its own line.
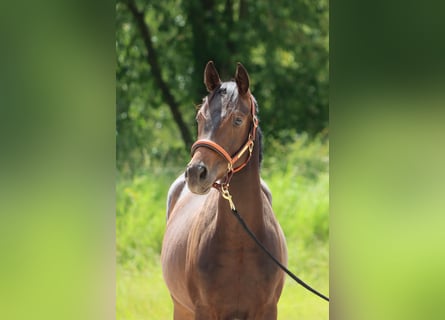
point(231, 160)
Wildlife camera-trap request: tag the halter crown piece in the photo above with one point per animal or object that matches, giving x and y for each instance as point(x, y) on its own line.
point(231, 160)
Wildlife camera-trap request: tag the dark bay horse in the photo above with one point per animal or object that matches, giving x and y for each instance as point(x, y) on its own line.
point(212, 269)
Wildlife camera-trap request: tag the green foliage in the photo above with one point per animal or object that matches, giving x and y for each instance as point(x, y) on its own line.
point(298, 176)
point(284, 46)
point(140, 221)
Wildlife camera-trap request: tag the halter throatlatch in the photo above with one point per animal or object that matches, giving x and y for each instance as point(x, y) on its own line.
point(231, 160)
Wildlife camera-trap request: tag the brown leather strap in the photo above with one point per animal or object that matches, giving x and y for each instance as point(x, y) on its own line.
point(231, 160)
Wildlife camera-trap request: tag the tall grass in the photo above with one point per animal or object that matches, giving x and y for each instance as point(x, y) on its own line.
point(298, 176)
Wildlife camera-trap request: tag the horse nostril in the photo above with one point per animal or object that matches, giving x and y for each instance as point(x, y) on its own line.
point(202, 172)
point(196, 172)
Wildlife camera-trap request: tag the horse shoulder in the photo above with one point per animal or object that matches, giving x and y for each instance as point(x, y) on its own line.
point(174, 193)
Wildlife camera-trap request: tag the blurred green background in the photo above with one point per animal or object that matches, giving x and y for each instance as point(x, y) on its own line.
point(161, 52)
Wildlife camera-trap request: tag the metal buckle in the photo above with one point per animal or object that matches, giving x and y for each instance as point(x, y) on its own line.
point(226, 195)
point(251, 145)
point(255, 120)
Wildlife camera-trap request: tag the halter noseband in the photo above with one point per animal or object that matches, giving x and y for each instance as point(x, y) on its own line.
point(231, 160)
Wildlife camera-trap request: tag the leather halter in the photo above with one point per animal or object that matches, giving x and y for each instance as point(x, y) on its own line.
point(231, 160)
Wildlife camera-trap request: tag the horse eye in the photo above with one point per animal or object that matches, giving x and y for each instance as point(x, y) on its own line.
point(238, 121)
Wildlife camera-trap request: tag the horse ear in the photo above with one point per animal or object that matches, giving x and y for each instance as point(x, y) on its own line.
point(242, 79)
point(211, 77)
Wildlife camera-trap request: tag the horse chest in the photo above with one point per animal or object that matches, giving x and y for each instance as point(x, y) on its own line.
point(233, 267)
point(225, 280)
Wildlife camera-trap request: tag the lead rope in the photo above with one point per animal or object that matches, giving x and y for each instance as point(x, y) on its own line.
point(226, 195)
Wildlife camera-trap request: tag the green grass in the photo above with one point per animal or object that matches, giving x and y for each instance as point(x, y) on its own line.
point(142, 294)
point(298, 176)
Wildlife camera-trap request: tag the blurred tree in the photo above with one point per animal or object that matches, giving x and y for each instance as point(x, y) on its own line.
point(163, 46)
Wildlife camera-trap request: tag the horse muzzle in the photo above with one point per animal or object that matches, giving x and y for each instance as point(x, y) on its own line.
point(198, 179)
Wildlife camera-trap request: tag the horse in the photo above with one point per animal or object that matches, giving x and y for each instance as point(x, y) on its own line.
point(211, 267)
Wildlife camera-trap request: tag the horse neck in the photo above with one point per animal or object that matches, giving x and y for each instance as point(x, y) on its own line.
point(245, 188)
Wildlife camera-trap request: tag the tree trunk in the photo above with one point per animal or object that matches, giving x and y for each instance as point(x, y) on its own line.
point(152, 59)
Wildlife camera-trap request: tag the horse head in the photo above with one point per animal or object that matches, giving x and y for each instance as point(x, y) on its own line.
point(226, 120)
